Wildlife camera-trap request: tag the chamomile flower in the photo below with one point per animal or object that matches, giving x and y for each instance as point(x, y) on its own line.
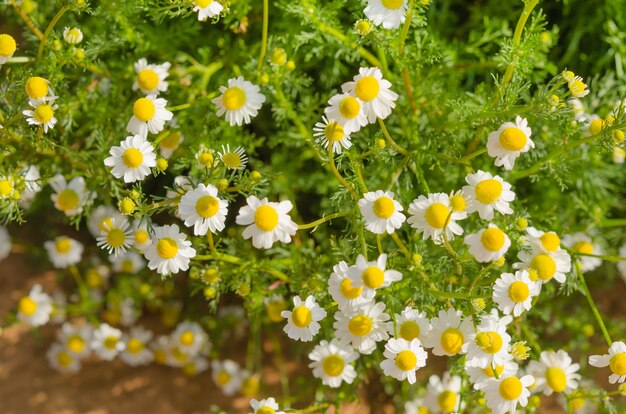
point(443, 395)
point(581, 243)
point(615, 360)
point(490, 343)
point(72, 35)
point(578, 401)
point(329, 134)
point(546, 241)
point(343, 291)
point(388, 13)
point(206, 157)
point(403, 358)
point(233, 160)
point(239, 101)
point(450, 333)
point(381, 212)
point(195, 366)
point(266, 406)
point(35, 309)
point(433, 215)
point(63, 251)
point(207, 9)
point(619, 155)
point(577, 87)
point(149, 115)
point(487, 193)
point(107, 342)
point(202, 209)
point(513, 293)
point(101, 215)
point(415, 406)
point(128, 262)
point(116, 236)
point(227, 375)
point(39, 88)
point(189, 338)
point(555, 372)
point(7, 48)
point(372, 275)
point(42, 114)
point(7, 187)
point(332, 362)
point(141, 237)
point(347, 111)
point(32, 186)
point(479, 376)
point(303, 319)
point(544, 266)
point(266, 222)
point(506, 393)
point(362, 327)
point(76, 339)
point(151, 77)
point(170, 251)
point(71, 197)
point(136, 351)
point(374, 91)
point(5, 243)
point(509, 141)
point(488, 244)
point(132, 159)
point(412, 324)
point(62, 360)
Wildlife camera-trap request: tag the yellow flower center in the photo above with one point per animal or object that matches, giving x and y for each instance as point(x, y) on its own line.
point(367, 88)
point(93, 278)
point(392, 4)
point(333, 132)
point(513, 139)
point(207, 206)
point(203, 3)
point(447, 401)
point(36, 87)
point(406, 360)
point(518, 291)
point(144, 109)
point(360, 325)
point(618, 364)
point(436, 215)
point(577, 87)
point(116, 237)
point(349, 107)
point(105, 224)
point(110, 342)
point(127, 266)
point(489, 371)
point(265, 410)
point(148, 79)
point(187, 338)
point(63, 245)
point(141, 236)
point(409, 330)
point(348, 291)
point(167, 248)
point(458, 203)
point(274, 309)
point(550, 241)
point(234, 98)
point(134, 346)
point(596, 126)
point(510, 388)
point(27, 306)
point(583, 247)
point(232, 160)
point(492, 239)
point(132, 158)
point(7, 45)
point(544, 265)
point(6, 188)
point(179, 355)
point(333, 365)
point(577, 400)
point(266, 218)
point(64, 359)
point(373, 277)
point(301, 316)
point(206, 159)
point(384, 207)
point(452, 340)
point(43, 113)
point(67, 200)
point(556, 379)
point(488, 191)
point(75, 343)
point(171, 141)
point(490, 342)
point(223, 378)
point(250, 386)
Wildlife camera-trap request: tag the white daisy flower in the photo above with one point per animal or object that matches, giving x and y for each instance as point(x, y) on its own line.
point(170, 251)
point(206, 157)
point(479, 376)
point(62, 360)
point(5, 243)
point(332, 363)
point(76, 338)
point(546, 241)
point(266, 222)
point(342, 290)
point(116, 237)
point(149, 115)
point(490, 343)
point(196, 366)
point(128, 262)
point(207, 9)
point(388, 13)
point(170, 143)
point(450, 334)
point(619, 155)
point(136, 351)
point(100, 216)
point(381, 212)
point(7, 48)
point(41, 114)
point(151, 77)
point(411, 324)
point(415, 406)
point(362, 327)
point(39, 88)
point(372, 275)
point(72, 35)
point(581, 243)
point(504, 394)
point(513, 293)
point(141, 236)
point(303, 319)
point(554, 373)
point(189, 338)
point(63, 251)
point(107, 342)
point(233, 160)
point(347, 111)
point(577, 87)
point(35, 309)
point(59, 307)
point(330, 134)
point(578, 402)
point(615, 360)
point(202, 209)
point(374, 91)
point(487, 193)
point(509, 141)
point(239, 102)
point(433, 214)
point(621, 266)
point(227, 375)
point(32, 185)
point(132, 159)
point(266, 406)
point(544, 266)
point(71, 197)
point(403, 359)
point(443, 395)
point(488, 244)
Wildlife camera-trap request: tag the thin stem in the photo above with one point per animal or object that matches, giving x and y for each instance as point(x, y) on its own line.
point(53, 22)
point(179, 107)
point(27, 20)
point(323, 220)
point(593, 307)
point(400, 244)
point(473, 155)
point(209, 237)
point(218, 257)
point(340, 36)
point(284, 377)
point(393, 143)
point(603, 257)
point(263, 37)
point(379, 244)
point(333, 168)
point(405, 72)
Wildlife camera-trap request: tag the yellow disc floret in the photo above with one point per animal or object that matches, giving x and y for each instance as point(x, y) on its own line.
point(43, 113)
point(132, 158)
point(63, 245)
point(207, 206)
point(518, 291)
point(452, 340)
point(513, 139)
point(266, 218)
point(348, 291)
point(367, 88)
point(544, 265)
point(301, 316)
point(234, 98)
point(510, 388)
point(349, 107)
point(333, 365)
point(116, 237)
point(333, 132)
point(144, 109)
point(148, 79)
point(583, 247)
point(384, 207)
point(360, 325)
point(134, 346)
point(406, 360)
point(409, 330)
point(447, 401)
point(7, 45)
point(550, 241)
point(488, 191)
point(373, 277)
point(67, 200)
point(556, 379)
point(436, 215)
point(36, 87)
point(492, 239)
point(489, 342)
point(618, 364)
point(27, 306)
point(167, 248)
point(392, 4)
point(6, 188)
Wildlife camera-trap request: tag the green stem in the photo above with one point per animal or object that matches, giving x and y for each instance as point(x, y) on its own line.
point(263, 37)
point(593, 307)
point(379, 244)
point(284, 377)
point(393, 143)
point(333, 168)
point(603, 257)
point(400, 244)
point(54, 21)
point(323, 220)
point(218, 257)
point(406, 78)
point(27, 20)
point(473, 155)
point(340, 36)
